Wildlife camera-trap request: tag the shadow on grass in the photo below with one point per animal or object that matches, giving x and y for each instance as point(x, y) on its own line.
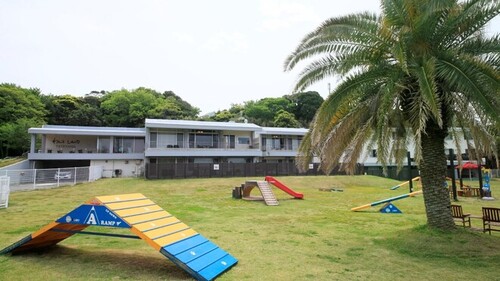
point(462, 246)
point(90, 264)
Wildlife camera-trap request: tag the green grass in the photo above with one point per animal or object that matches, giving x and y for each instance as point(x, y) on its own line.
point(317, 238)
point(10, 160)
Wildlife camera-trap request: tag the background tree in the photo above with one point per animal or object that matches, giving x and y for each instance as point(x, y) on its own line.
point(17, 103)
point(20, 108)
point(305, 105)
point(263, 111)
point(15, 137)
point(124, 108)
point(223, 116)
point(187, 111)
point(286, 119)
point(64, 110)
point(422, 68)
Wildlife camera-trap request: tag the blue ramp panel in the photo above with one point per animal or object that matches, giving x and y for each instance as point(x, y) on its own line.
point(199, 257)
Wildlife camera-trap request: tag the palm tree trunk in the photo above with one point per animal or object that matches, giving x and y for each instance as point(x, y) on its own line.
point(433, 173)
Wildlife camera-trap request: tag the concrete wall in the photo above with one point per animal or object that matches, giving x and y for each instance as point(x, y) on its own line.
point(120, 168)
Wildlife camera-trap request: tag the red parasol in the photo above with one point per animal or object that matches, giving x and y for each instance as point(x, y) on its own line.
point(468, 165)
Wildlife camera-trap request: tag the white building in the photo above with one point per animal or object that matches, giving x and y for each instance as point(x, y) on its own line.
point(127, 152)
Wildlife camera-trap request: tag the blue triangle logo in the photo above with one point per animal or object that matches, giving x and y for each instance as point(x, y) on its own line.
point(390, 208)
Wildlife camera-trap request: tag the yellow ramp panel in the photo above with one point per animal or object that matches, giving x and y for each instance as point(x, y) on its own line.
point(138, 210)
point(129, 204)
point(120, 198)
point(145, 226)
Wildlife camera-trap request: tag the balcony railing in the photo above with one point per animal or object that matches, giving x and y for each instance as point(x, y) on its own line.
point(87, 151)
point(192, 145)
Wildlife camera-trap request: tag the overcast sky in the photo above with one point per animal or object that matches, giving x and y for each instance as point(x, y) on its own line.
point(210, 53)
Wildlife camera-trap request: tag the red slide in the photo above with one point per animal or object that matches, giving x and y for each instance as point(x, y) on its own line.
point(283, 187)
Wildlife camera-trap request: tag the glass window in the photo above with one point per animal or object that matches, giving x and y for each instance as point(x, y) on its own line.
point(103, 144)
point(153, 140)
point(128, 145)
point(191, 141)
point(229, 141)
point(243, 140)
point(203, 139)
point(139, 145)
point(180, 140)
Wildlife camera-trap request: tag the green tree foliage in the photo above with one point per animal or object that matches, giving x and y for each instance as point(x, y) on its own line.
point(17, 103)
point(415, 72)
point(19, 109)
point(223, 116)
point(130, 108)
point(286, 119)
point(186, 110)
point(263, 111)
point(71, 110)
point(62, 109)
point(305, 105)
point(14, 137)
point(124, 108)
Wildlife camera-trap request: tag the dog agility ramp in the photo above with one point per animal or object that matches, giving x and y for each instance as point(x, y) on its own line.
point(181, 244)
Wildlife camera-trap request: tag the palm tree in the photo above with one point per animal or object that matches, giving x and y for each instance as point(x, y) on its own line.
point(411, 75)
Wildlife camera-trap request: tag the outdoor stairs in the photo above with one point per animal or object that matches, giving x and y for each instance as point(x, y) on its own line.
point(267, 193)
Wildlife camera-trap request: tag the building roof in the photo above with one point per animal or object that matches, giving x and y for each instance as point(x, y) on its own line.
point(163, 123)
point(205, 125)
point(284, 131)
point(88, 131)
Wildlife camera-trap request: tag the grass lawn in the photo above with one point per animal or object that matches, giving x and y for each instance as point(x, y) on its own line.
point(10, 160)
point(317, 238)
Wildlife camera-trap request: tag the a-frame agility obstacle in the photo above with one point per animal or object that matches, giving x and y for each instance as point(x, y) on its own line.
point(165, 233)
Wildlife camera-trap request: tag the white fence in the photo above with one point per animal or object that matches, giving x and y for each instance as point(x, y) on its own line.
point(50, 178)
point(4, 192)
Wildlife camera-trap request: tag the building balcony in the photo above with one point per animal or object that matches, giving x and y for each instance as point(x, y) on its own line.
point(70, 155)
point(202, 152)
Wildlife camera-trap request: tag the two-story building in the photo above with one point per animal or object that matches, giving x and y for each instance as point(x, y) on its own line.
point(181, 141)
point(172, 144)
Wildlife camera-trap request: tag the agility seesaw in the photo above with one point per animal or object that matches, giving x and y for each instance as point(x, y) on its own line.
point(406, 182)
point(392, 208)
point(165, 233)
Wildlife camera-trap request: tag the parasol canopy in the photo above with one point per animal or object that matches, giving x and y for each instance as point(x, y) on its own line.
point(468, 165)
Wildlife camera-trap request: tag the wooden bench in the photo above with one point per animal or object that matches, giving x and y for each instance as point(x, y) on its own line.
point(491, 219)
point(458, 214)
point(469, 192)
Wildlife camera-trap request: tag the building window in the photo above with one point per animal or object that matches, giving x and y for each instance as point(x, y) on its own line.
point(243, 140)
point(180, 140)
point(153, 140)
point(128, 145)
point(103, 144)
point(203, 139)
point(278, 143)
point(229, 141)
point(373, 153)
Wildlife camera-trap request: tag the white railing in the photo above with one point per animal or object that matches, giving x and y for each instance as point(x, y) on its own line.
point(4, 192)
point(49, 178)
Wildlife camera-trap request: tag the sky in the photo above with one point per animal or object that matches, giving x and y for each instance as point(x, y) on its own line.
point(210, 53)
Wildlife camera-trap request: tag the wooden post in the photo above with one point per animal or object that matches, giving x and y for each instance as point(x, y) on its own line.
point(479, 173)
point(453, 183)
point(409, 171)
